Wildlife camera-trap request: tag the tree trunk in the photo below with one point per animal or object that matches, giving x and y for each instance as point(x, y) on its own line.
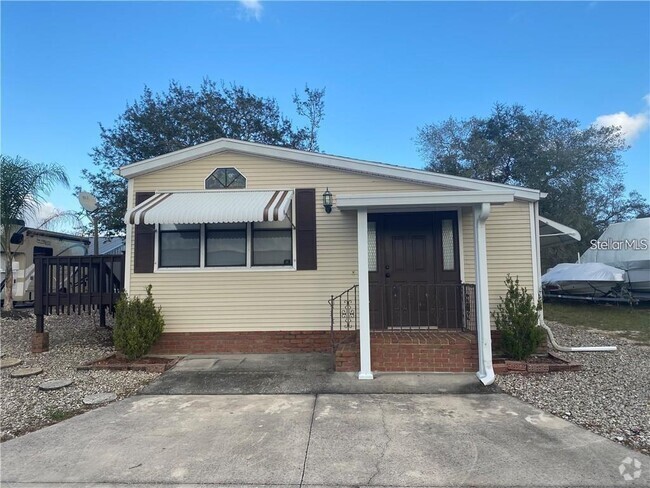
point(9, 281)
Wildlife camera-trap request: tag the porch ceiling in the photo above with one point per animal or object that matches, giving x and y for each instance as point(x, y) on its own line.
point(421, 200)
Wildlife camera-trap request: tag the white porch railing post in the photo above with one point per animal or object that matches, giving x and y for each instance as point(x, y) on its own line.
point(485, 372)
point(365, 372)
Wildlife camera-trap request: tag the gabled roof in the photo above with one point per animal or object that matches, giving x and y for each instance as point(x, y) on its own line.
point(319, 159)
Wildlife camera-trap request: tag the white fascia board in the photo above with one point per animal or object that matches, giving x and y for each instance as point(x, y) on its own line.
point(319, 159)
point(421, 199)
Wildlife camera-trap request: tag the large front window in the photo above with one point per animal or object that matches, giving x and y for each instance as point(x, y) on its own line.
point(263, 244)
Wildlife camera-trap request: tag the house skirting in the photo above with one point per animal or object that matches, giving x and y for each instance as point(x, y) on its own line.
point(263, 342)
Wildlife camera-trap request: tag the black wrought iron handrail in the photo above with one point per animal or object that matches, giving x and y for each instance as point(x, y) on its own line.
point(344, 317)
point(423, 306)
point(344, 310)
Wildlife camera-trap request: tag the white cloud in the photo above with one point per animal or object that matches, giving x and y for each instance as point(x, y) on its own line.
point(43, 213)
point(631, 125)
point(49, 217)
point(253, 8)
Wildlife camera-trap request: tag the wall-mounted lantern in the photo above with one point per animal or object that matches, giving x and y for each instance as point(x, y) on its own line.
point(327, 200)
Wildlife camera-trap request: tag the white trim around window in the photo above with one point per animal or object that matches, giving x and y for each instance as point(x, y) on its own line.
point(202, 268)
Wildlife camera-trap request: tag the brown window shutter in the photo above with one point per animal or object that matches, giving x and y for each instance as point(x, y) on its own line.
point(306, 228)
point(143, 241)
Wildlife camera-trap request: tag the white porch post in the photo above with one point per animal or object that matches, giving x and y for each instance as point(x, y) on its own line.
point(364, 294)
point(485, 372)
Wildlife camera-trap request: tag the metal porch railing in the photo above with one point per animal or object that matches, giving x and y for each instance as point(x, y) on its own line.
point(407, 306)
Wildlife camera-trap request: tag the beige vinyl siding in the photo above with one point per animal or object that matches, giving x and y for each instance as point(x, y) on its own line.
point(199, 300)
point(508, 247)
point(263, 299)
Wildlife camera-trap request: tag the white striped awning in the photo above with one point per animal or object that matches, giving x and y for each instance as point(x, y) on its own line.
point(212, 207)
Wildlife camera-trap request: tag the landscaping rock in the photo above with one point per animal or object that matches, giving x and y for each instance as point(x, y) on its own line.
point(608, 396)
point(99, 398)
point(8, 362)
point(55, 384)
point(25, 372)
point(74, 339)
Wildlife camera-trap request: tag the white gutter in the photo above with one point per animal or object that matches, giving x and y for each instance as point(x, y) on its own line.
point(573, 349)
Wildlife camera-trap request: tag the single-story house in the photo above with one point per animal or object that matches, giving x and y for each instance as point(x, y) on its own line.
point(257, 248)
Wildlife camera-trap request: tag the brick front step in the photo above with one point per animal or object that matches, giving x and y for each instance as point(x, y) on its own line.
point(432, 351)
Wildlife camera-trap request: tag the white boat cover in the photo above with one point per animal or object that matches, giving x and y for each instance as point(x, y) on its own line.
point(212, 207)
point(621, 245)
point(588, 272)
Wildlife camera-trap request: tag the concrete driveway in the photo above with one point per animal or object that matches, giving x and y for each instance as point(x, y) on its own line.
point(311, 373)
point(318, 440)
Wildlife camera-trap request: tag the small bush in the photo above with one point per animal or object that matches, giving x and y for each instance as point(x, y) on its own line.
point(138, 325)
point(516, 318)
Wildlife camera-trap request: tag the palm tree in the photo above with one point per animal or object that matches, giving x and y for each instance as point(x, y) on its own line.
point(23, 186)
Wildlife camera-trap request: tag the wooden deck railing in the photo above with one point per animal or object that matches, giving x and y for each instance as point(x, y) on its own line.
point(75, 284)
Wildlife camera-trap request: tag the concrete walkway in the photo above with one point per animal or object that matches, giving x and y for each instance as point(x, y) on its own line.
point(308, 373)
point(317, 440)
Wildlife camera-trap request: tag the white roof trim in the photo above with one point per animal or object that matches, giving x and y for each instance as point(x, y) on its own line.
point(212, 207)
point(319, 159)
point(421, 199)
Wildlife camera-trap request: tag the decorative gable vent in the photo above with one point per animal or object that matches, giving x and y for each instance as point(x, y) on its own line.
point(225, 179)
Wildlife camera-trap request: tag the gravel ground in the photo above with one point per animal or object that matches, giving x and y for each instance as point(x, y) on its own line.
point(73, 339)
point(610, 396)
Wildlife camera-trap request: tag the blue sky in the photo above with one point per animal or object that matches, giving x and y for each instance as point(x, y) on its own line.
point(387, 67)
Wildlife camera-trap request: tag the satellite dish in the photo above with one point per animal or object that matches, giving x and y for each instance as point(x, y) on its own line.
point(87, 201)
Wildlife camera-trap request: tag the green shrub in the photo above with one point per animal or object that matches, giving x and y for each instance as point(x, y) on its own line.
point(138, 325)
point(516, 318)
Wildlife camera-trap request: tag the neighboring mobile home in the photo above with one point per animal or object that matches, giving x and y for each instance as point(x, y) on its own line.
point(244, 252)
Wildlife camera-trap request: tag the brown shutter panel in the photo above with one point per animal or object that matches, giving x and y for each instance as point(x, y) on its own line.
point(306, 228)
point(143, 241)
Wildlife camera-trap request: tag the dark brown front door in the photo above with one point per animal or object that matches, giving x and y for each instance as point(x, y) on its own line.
point(410, 285)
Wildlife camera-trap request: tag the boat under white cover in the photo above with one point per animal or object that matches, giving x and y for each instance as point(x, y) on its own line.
point(626, 246)
point(586, 279)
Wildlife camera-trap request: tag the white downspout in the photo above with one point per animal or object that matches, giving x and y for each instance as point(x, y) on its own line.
point(485, 372)
point(573, 349)
point(128, 248)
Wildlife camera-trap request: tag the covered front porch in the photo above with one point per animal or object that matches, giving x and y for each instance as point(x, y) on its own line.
point(412, 309)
